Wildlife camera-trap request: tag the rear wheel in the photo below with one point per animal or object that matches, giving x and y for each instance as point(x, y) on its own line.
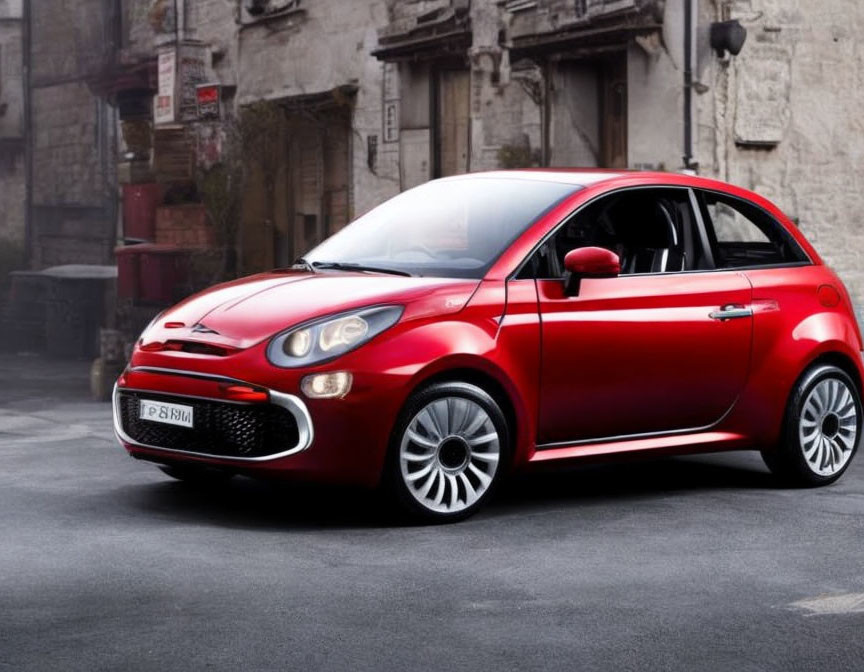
point(447, 452)
point(196, 475)
point(822, 429)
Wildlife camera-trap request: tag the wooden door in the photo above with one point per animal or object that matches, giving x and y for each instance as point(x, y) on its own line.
point(454, 122)
point(337, 155)
point(613, 116)
point(307, 171)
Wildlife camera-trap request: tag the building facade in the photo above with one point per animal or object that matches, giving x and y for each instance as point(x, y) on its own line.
point(13, 169)
point(70, 130)
point(371, 97)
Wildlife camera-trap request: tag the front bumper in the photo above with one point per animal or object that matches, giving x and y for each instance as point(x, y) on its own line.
point(234, 447)
point(339, 441)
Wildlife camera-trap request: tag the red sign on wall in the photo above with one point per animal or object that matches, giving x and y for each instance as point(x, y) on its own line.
point(209, 101)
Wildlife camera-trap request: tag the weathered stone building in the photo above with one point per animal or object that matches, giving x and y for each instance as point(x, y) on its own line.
point(314, 59)
point(70, 134)
point(375, 96)
point(783, 118)
point(12, 156)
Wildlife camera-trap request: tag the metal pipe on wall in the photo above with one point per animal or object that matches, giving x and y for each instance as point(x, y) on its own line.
point(26, 52)
point(689, 42)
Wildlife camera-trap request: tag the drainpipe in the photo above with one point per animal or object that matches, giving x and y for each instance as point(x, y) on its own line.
point(688, 83)
point(26, 81)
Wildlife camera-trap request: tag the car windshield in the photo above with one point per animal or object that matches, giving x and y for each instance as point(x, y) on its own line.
point(446, 228)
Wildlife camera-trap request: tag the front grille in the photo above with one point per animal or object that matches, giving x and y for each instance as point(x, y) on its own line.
point(221, 429)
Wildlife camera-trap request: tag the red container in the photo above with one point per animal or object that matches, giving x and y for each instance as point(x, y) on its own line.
point(152, 274)
point(127, 271)
point(163, 273)
point(139, 210)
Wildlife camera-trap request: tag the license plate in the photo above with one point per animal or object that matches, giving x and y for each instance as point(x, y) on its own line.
point(168, 414)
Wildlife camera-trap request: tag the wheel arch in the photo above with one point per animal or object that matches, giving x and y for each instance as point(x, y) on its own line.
point(832, 356)
point(495, 383)
point(839, 359)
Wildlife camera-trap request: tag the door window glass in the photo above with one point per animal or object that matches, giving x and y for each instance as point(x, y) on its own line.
point(744, 235)
point(651, 231)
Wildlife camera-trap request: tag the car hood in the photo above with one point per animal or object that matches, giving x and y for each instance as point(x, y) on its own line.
point(245, 312)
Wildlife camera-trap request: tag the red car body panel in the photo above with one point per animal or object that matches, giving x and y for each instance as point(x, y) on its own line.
point(633, 364)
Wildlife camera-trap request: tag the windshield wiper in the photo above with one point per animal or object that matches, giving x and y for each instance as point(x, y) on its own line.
point(340, 266)
point(301, 263)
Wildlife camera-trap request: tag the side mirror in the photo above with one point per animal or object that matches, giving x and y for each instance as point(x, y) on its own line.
point(589, 262)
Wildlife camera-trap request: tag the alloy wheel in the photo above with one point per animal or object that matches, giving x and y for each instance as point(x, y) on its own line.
point(449, 454)
point(828, 427)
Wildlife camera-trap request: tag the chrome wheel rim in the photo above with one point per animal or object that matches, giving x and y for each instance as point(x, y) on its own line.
point(449, 454)
point(828, 428)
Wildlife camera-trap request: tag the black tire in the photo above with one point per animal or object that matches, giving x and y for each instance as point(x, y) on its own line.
point(787, 461)
point(196, 475)
point(394, 481)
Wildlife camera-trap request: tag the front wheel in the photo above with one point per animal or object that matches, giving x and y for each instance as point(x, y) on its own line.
point(821, 431)
point(447, 452)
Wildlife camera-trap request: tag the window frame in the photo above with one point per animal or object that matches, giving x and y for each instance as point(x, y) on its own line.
point(702, 232)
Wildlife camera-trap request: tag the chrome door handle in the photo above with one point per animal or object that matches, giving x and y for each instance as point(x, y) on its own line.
point(731, 313)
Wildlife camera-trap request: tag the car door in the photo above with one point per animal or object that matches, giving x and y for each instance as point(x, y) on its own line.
point(664, 347)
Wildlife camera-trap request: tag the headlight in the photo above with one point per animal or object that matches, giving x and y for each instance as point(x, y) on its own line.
point(330, 337)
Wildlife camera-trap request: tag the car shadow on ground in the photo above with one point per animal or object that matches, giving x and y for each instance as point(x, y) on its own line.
point(249, 504)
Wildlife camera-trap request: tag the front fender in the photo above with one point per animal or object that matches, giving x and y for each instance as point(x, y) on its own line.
point(479, 344)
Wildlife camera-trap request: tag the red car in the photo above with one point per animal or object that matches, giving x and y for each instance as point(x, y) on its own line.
point(482, 324)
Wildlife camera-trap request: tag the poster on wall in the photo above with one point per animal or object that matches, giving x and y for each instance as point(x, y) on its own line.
point(181, 69)
point(191, 73)
point(163, 102)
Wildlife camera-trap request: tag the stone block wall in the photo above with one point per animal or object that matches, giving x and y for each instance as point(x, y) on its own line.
point(784, 119)
point(327, 44)
point(12, 163)
point(72, 136)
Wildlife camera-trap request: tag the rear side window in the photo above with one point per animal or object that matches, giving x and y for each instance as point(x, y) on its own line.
point(743, 235)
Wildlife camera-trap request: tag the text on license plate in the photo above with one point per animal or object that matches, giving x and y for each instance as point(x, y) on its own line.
point(169, 414)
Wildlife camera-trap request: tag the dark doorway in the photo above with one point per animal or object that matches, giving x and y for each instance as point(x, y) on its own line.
point(586, 112)
point(613, 112)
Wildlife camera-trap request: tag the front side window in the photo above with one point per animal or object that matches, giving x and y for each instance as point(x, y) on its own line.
point(651, 231)
point(744, 235)
point(446, 228)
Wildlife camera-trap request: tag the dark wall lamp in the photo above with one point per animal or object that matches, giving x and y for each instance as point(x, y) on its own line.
point(728, 36)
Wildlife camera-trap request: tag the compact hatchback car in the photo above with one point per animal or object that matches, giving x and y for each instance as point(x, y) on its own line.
point(488, 323)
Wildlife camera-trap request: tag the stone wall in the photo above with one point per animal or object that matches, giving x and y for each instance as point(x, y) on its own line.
point(69, 38)
point(138, 31)
point(784, 119)
point(73, 209)
point(12, 164)
point(215, 22)
point(13, 196)
point(11, 84)
point(67, 128)
point(324, 45)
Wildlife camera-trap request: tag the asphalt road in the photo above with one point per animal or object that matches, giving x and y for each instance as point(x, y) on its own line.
point(687, 564)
